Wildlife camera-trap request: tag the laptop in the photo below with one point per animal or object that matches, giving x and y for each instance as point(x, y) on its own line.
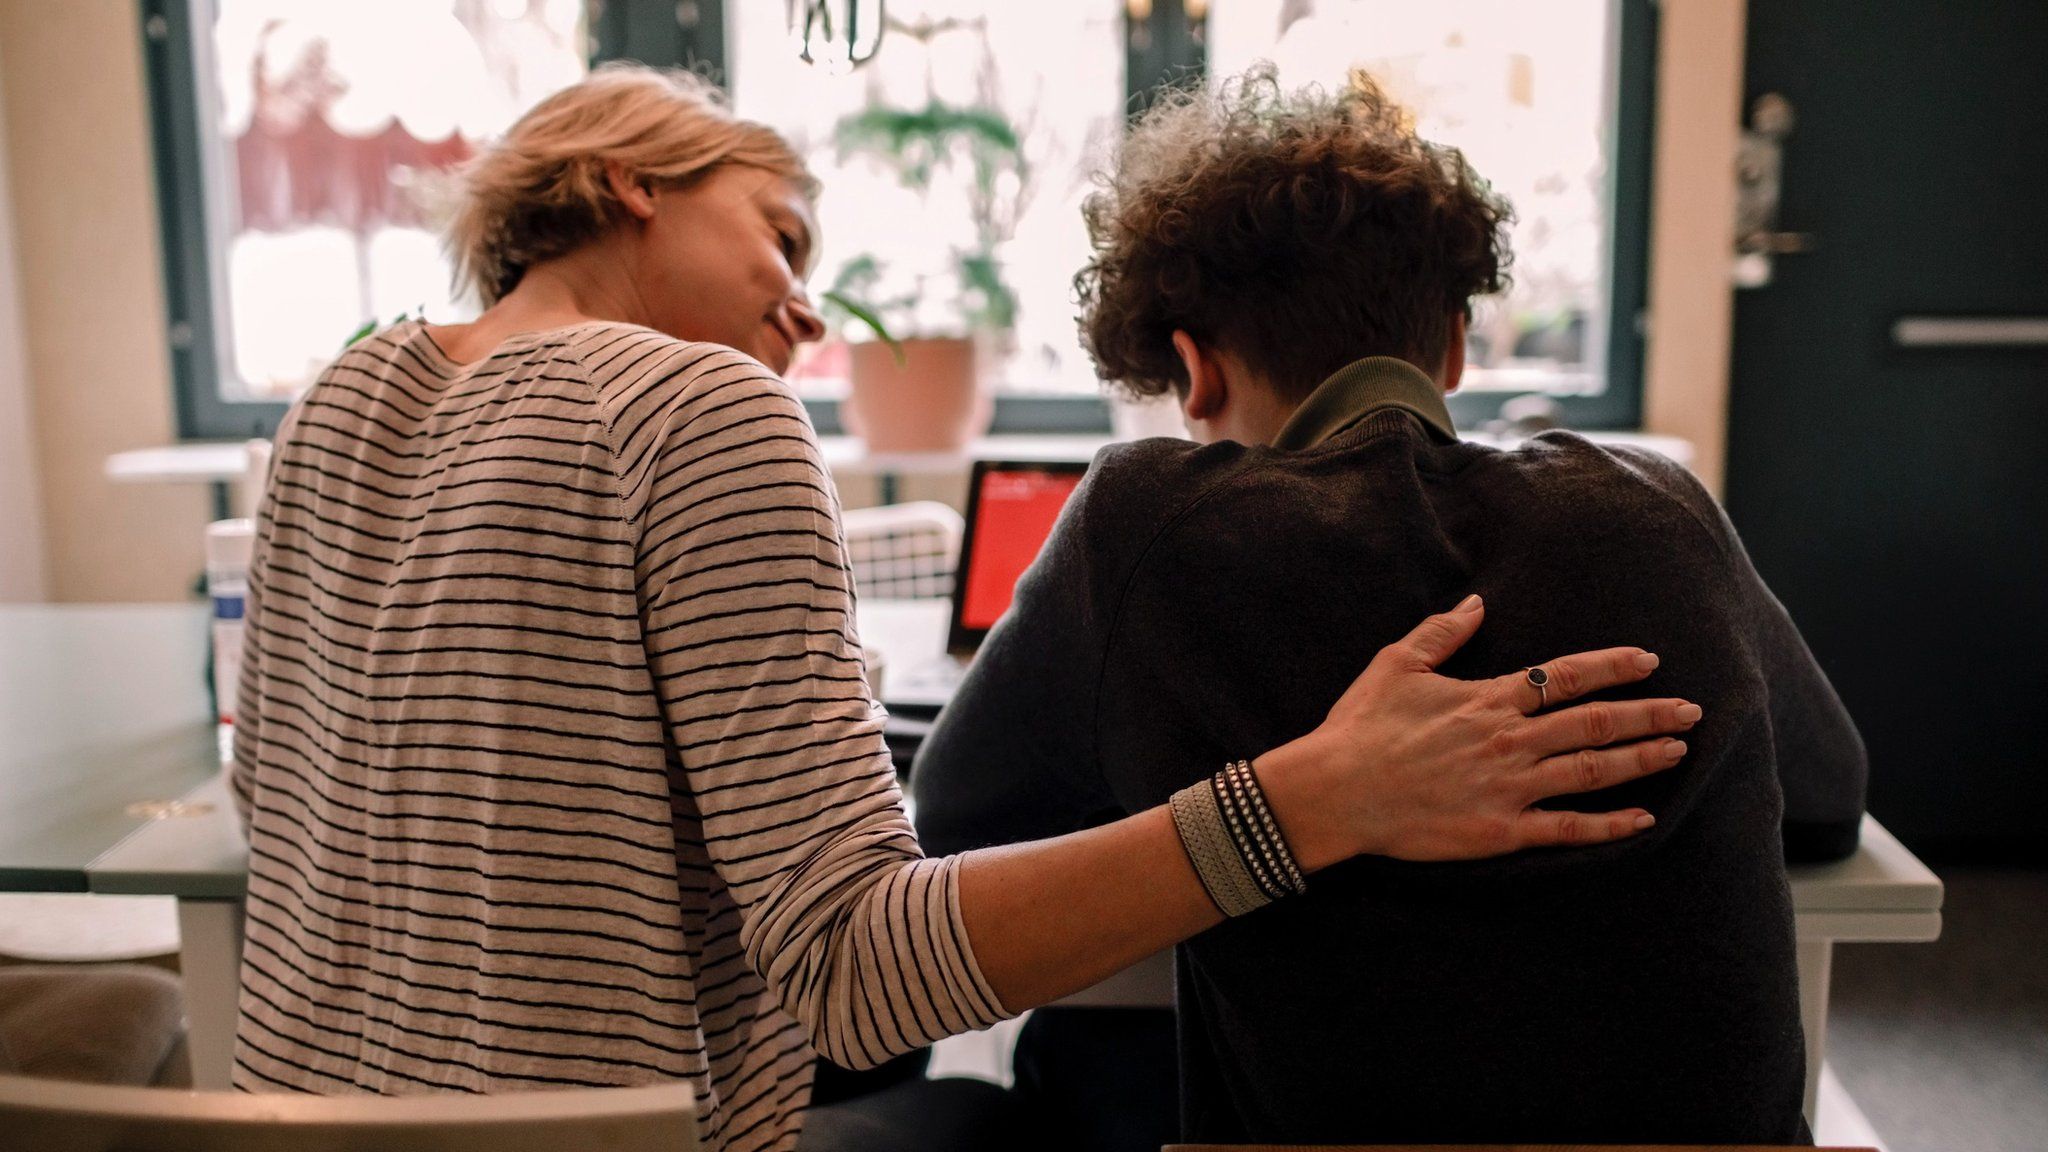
point(1011, 508)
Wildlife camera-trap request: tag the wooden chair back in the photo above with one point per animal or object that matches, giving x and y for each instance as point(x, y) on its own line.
point(61, 1116)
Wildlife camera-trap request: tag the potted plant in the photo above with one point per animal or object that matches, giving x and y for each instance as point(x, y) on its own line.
point(919, 385)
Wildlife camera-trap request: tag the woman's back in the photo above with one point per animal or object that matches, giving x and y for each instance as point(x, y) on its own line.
point(516, 622)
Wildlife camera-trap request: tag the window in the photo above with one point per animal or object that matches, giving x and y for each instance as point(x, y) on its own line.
point(301, 145)
point(294, 177)
point(1528, 93)
point(929, 210)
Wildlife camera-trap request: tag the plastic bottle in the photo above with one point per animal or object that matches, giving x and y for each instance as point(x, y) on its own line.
point(229, 544)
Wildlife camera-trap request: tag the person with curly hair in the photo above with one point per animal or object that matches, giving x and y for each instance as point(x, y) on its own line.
point(1296, 269)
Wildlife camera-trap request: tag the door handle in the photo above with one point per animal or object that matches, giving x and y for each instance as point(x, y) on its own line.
point(1777, 243)
point(1970, 332)
point(1759, 181)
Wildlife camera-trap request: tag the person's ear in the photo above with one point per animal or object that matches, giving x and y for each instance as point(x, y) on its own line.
point(1207, 393)
point(633, 194)
point(1454, 353)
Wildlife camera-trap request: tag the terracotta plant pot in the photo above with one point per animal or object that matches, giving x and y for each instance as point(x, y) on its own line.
point(934, 402)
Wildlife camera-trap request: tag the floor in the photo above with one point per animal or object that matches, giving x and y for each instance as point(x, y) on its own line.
point(1944, 1046)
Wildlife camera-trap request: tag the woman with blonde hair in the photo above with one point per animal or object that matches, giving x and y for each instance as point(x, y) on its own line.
point(558, 760)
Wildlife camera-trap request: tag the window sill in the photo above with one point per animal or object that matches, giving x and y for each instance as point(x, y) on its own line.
point(191, 462)
point(212, 462)
point(847, 456)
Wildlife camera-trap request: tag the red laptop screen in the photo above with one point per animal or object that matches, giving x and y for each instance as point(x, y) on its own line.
point(1015, 514)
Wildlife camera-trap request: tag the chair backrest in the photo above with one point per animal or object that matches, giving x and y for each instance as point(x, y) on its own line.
point(59, 1116)
point(903, 551)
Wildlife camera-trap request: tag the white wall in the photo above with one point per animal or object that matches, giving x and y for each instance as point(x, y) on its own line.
point(21, 517)
point(75, 131)
point(1692, 227)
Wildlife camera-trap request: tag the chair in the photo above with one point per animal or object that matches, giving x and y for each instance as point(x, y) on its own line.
point(58, 1116)
point(903, 551)
point(104, 1024)
point(1500, 1148)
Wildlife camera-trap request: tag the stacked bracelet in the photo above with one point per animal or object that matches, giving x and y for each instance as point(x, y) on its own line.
point(1234, 842)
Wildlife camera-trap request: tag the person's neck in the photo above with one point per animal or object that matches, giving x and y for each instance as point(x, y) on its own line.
point(583, 286)
point(1261, 423)
point(1263, 419)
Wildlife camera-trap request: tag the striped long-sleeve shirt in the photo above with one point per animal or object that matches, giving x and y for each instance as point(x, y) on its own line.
point(558, 760)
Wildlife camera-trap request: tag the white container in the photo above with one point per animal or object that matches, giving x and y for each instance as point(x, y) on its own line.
point(229, 544)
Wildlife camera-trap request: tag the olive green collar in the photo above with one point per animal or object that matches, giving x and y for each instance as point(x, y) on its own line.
point(1359, 389)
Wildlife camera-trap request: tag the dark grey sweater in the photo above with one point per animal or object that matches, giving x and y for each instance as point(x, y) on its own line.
point(1201, 604)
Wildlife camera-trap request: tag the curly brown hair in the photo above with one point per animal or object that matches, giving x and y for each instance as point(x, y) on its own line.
point(1299, 230)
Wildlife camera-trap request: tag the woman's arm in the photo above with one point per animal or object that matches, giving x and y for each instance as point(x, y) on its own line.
point(1409, 764)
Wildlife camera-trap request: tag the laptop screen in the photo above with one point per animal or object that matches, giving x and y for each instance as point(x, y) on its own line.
point(1011, 509)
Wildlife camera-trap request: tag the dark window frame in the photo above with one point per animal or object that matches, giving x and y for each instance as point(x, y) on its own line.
point(171, 53)
point(1170, 50)
point(1164, 50)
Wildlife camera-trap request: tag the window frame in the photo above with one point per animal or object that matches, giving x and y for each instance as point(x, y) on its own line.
point(171, 53)
point(1631, 140)
point(1167, 50)
point(1174, 53)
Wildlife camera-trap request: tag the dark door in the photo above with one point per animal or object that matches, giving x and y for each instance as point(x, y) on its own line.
point(1896, 498)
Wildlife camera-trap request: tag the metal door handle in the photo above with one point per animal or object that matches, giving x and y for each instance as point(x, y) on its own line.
point(1970, 332)
point(1778, 243)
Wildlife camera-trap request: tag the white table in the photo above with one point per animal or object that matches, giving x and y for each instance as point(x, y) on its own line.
point(218, 464)
point(1882, 893)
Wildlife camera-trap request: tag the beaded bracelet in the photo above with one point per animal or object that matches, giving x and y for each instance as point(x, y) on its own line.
point(1233, 841)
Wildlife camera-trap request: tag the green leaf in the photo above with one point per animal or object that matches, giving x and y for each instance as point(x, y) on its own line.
point(983, 276)
point(371, 325)
point(368, 327)
point(866, 316)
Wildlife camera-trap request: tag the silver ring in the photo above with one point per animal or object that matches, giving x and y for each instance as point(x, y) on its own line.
point(1540, 680)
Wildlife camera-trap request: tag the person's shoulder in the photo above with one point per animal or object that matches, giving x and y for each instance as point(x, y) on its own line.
point(1561, 483)
point(1161, 470)
point(1137, 489)
point(1593, 474)
point(628, 363)
point(646, 382)
point(402, 348)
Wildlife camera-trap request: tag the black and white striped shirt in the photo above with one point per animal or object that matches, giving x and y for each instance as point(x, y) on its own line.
point(559, 764)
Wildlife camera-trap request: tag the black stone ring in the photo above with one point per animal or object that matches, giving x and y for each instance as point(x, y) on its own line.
point(1540, 680)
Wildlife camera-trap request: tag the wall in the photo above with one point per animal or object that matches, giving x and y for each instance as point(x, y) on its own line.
point(76, 141)
point(21, 517)
point(1692, 227)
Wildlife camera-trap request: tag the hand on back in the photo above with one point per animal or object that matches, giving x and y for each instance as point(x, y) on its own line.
point(1419, 766)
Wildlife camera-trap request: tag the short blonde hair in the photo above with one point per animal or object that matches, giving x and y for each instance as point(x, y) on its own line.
point(540, 192)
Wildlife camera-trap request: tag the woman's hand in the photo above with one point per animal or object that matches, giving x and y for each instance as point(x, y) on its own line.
point(1419, 766)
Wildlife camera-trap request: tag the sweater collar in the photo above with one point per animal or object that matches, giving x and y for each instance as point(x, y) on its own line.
point(1359, 389)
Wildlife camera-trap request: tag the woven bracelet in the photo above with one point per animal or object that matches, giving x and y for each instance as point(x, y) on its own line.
point(1217, 861)
point(1233, 841)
